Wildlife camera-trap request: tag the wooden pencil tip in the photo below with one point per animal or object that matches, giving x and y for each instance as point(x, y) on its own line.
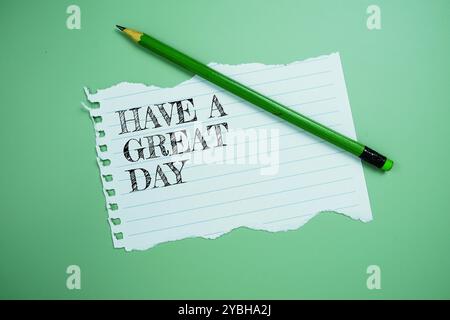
point(120, 27)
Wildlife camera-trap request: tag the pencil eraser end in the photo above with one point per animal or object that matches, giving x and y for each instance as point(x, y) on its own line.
point(387, 165)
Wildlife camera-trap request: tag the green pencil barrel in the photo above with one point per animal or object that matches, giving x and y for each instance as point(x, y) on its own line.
point(248, 94)
point(252, 96)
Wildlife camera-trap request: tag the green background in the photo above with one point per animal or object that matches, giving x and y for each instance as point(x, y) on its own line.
point(52, 207)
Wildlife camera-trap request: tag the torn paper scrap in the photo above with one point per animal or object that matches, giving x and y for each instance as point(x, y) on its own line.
point(196, 161)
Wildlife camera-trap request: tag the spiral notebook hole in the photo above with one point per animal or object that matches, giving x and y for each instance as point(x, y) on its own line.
point(97, 119)
point(108, 178)
point(103, 148)
point(106, 162)
point(116, 221)
point(101, 133)
point(118, 235)
point(111, 192)
point(113, 206)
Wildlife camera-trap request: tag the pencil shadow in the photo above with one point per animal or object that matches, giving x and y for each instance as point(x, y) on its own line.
point(372, 168)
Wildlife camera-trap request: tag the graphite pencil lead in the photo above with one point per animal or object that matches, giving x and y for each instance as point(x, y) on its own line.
point(120, 27)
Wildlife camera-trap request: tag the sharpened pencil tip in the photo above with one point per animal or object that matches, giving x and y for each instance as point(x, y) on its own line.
point(120, 27)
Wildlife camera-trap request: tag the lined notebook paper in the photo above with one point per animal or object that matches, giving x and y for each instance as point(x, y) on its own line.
point(196, 161)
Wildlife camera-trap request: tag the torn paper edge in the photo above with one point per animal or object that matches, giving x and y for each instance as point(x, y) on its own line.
point(102, 94)
point(106, 185)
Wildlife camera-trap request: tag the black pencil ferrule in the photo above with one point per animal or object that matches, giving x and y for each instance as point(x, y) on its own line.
point(373, 157)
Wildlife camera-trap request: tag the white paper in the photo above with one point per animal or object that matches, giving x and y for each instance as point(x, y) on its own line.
point(280, 179)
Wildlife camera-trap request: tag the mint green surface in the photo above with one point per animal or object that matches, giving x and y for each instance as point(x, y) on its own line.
point(52, 207)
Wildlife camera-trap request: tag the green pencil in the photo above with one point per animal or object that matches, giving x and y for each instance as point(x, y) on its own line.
point(291, 116)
